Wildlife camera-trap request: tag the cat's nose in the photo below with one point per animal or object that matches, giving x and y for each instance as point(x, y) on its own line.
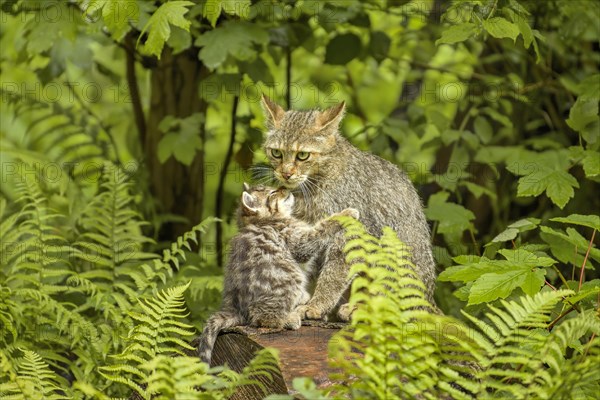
point(286, 175)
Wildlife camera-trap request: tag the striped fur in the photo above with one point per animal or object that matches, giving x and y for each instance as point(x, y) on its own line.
point(264, 281)
point(335, 176)
point(215, 324)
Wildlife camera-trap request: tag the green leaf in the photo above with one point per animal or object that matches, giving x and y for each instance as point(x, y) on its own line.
point(240, 8)
point(457, 33)
point(525, 31)
point(184, 142)
point(515, 228)
point(158, 26)
point(534, 281)
point(235, 38)
point(342, 49)
point(583, 112)
point(211, 11)
point(493, 279)
point(591, 163)
point(584, 293)
point(589, 159)
point(452, 218)
point(524, 258)
point(478, 190)
point(501, 28)
point(118, 16)
point(569, 247)
point(592, 221)
point(493, 286)
point(467, 272)
point(379, 45)
point(544, 172)
point(483, 129)
point(179, 40)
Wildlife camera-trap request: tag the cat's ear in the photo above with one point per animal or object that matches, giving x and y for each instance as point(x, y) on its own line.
point(246, 187)
point(273, 112)
point(249, 203)
point(331, 118)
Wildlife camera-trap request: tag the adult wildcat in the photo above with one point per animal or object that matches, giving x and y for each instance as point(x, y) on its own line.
point(327, 174)
point(264, 280)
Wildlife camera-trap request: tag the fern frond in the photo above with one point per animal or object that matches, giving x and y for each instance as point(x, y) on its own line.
point(158, 332)
point(395, 347)
point(173, 254)
point(34, 379)
point(264, 364)
point(58, 132)
point(578, 374)
point(178, 377)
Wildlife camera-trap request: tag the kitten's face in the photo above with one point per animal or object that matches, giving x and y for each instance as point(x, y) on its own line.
point(266, 202)
point(298, 143)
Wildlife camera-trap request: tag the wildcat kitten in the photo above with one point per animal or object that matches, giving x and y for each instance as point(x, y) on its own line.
point(326, 173)
point(264, 282)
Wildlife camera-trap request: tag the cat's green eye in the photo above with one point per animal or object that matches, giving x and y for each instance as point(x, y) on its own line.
point(276, 153)
point(302, 155)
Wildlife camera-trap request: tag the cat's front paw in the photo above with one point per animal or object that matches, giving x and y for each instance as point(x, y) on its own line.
point(345, 312)
point(350, 212)
point(309, 311)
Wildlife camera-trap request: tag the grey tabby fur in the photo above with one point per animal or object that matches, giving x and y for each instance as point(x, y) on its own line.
point(264, 282)
point(328, 174)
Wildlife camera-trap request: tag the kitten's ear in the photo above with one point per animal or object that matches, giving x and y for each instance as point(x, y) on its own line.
point(246, 187)
point(331, 117)
point(248, 202)
point(273, 112)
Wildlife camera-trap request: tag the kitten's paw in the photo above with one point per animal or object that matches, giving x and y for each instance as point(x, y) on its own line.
point(345, 312)
point(350, 212)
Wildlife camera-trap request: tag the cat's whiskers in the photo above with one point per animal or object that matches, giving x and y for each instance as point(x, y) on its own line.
point(311, 183)
point(305, 194)
point(263, 174)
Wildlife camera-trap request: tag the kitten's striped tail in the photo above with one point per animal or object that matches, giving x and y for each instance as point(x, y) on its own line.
point(216, 323)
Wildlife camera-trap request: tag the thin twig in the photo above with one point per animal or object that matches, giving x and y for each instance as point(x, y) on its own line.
point(562, 278)
point(589, 345)
point(560, 317)
point(587, 254)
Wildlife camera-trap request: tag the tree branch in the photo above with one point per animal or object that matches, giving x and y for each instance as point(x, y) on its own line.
point(222, 175)
point(134, 90)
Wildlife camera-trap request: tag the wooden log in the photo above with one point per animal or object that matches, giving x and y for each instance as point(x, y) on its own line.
point(301, 353)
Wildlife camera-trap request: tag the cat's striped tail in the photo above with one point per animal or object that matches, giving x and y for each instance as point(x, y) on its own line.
point(215, 324)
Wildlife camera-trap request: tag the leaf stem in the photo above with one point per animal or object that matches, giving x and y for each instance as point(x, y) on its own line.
point(589, 345)
point(474, 241)
point(560, 317)
point(587, 254)
point(561, 276)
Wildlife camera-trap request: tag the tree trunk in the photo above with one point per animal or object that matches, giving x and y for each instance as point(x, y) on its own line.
point(178, 188)
point(303, 352)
